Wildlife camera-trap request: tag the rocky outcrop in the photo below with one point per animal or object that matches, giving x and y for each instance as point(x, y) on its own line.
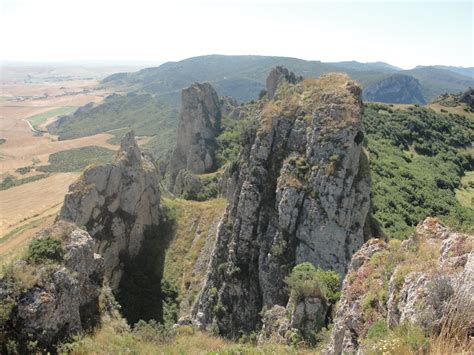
point(50, 301)
point(277, 76)
point(118, 203)
point(424, 281)
point(467, 97)
point(199, 124)
point(302, 194)
point(275, 326)
point(398, 88)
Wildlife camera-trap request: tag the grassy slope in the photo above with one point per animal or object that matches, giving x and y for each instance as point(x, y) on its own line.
point(147, 115)
point(195, 222)
point(465, 193)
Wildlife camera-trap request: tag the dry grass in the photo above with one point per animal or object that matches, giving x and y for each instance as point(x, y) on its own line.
point(306, 97)
point(114, 338)
point(269, 112)
point(458, 110)
point(457, 325)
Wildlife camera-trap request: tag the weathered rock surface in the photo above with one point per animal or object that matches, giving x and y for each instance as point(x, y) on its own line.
point(53, 301)
point(302, 194)
point(398, 88)
point(276, 77)
point(199, 124)
point(118, 203)
point(309, 315)
point(275, 326)
point(423, 288)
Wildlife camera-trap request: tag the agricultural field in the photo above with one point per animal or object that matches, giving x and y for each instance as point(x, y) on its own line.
point(36, 168)
point(41, 118)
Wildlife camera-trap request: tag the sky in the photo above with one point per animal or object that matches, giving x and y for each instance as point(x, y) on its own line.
point(402, 33)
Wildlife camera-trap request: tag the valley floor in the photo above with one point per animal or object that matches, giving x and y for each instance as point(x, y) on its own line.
point(26, 208)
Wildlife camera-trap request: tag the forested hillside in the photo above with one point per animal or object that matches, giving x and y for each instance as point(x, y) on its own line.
point(417, 160)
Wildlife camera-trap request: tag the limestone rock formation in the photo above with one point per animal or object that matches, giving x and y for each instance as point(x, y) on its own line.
point(276, 77)
point(118, 203)
point(53, 300)
point(199, 124)
point(398, 88)
point(430, 278)
point(302, 194)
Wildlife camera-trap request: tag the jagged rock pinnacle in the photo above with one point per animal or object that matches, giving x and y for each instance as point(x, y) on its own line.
point(199, 124)
point(116, 202)
point(277, 75)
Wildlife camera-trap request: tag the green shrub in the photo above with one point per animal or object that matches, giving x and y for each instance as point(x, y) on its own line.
point(152, 331)
point(45, 248)
point(308, 281)
point(377, 330)
point(24, 170)
point(412, 336)
point(332, 284)
point(11, 181)
point(417, 161)
point(219, 310)
point(5, 309)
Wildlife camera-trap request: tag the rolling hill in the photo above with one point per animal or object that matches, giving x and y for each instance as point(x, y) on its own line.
point(243, 77)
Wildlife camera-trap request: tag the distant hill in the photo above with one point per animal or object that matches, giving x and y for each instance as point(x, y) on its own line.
point(243, 77)
point(371, 66)
point(153, 104)
point(397, 88)
point(435, 82)
point(458, 70)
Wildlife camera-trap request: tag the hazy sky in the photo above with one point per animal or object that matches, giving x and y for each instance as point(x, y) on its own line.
point(403, 33)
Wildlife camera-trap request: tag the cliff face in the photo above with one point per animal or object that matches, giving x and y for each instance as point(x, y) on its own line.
point(48, 301)
point(398, 88)
point(118, 203)
point(199, 124)
point(302, 193)
point(427, 281)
